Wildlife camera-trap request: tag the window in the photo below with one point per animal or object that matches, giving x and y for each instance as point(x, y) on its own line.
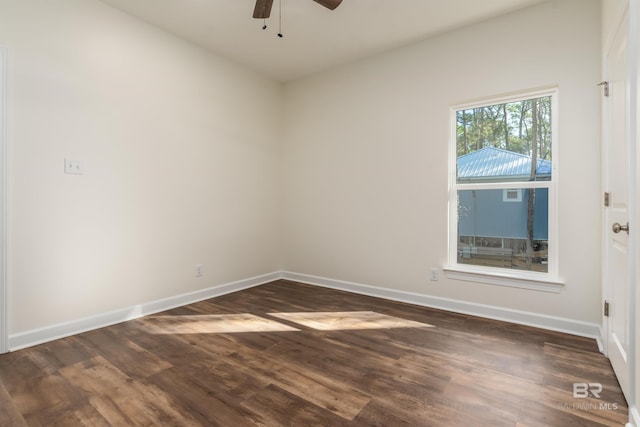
point(512, 195)
point(503, 178)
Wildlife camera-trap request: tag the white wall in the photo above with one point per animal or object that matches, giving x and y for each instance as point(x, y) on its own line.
point(365, 156)
point(181, 150)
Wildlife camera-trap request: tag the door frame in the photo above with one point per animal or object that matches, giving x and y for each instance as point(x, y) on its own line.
point(4, 340)
point(634, 186)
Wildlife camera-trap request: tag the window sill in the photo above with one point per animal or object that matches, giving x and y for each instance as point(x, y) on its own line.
point(523, 280)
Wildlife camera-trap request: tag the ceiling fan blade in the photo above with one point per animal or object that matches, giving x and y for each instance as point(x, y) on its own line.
point(263, 9)
point(331, 4)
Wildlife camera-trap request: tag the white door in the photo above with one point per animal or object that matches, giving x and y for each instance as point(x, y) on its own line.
point(616, 216)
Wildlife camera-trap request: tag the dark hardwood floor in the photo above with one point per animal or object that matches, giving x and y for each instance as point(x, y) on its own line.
point(287, 354)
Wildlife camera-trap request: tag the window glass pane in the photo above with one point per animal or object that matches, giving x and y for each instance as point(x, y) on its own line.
point(508, 233)
point(504, 142)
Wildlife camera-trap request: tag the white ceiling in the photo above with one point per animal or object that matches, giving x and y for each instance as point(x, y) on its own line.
point(315, 38)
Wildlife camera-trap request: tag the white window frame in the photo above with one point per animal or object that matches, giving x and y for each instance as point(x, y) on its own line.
point(540, 281)
point(4, 329)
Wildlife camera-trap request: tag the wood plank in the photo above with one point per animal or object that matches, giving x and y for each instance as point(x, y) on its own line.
point(44, 395)
point(9, 413)
point(268, 403)
point(127, 356)
point(204, 401)
point(138, 401)
point(336, 396)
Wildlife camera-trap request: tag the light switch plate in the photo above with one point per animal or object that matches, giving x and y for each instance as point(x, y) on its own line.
point(73, 167)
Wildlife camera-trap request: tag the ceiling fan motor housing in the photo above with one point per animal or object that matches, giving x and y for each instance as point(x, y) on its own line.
point(263, 7)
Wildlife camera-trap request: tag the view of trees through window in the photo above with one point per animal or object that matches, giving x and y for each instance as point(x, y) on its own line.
point(504, 143)
point(516, 126)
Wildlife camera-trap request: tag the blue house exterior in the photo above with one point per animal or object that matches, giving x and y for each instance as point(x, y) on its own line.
point(501, 214)
point(485, 213)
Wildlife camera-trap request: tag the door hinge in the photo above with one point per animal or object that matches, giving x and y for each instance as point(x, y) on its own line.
point(606, 308)
point(606, 87)
point(607, 198)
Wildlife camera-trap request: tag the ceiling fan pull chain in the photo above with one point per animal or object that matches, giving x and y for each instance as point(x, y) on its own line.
point(280, 19)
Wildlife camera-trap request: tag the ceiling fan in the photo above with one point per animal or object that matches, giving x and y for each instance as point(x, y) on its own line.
point(263, 7)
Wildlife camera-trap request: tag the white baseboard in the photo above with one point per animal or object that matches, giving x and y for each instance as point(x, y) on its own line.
point(559, 324)
point(634, 416)
point(61, 330)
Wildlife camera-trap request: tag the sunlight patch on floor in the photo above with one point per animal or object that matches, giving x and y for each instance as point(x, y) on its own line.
point(348, 320)
point(213, 324)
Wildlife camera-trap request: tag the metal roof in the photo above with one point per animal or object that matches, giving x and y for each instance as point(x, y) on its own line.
point(489, 163)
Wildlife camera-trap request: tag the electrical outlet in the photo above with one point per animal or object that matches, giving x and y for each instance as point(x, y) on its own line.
point(73, 167)
point(198, 270)
point(434, 274)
